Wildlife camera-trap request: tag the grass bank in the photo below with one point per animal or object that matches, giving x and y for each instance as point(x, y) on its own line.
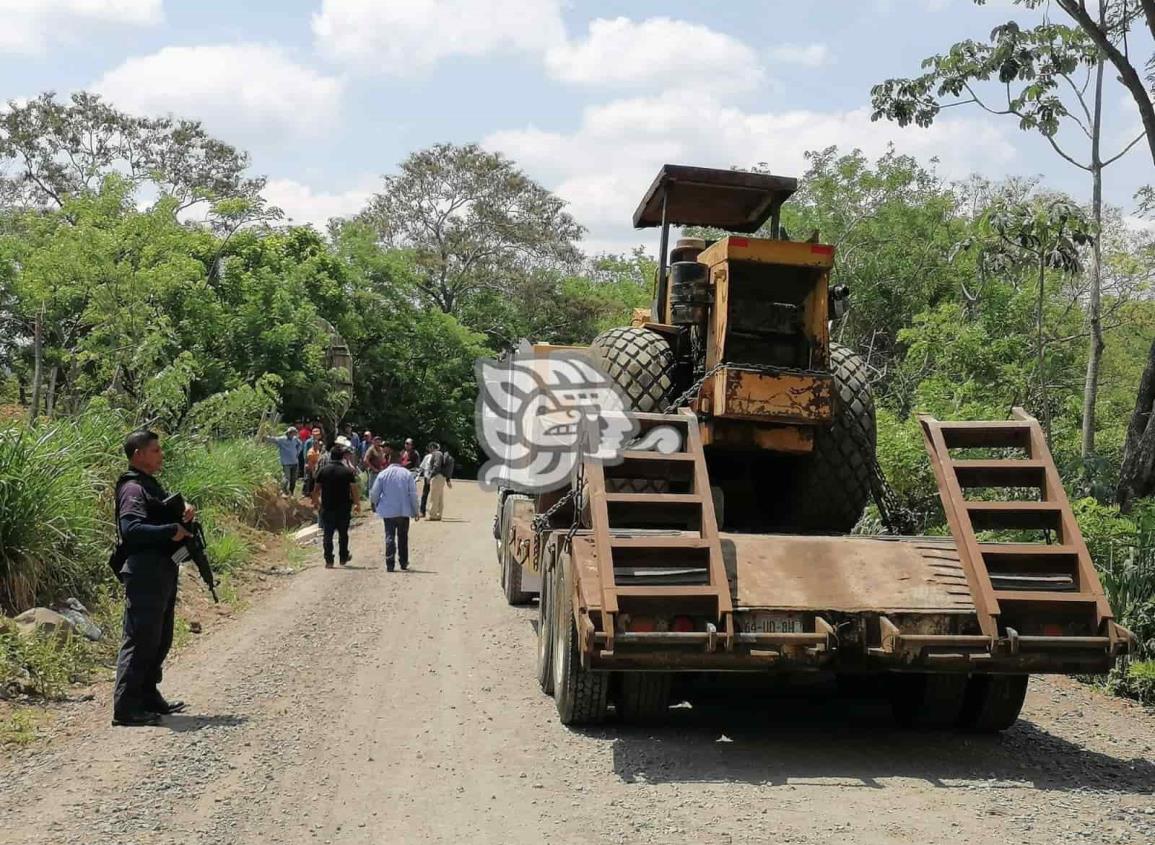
point(56, 531)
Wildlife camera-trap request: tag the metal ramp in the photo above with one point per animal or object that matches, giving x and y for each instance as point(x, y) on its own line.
point(1036, 587)
point(657, 549)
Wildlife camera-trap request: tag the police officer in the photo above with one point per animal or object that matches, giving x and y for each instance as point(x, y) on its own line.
point(149, 536)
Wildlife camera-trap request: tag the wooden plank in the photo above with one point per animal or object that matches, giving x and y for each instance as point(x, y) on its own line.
point(709, 529)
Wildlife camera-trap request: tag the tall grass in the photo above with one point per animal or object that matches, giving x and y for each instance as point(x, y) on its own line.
point(53, 520)
point(56, 509)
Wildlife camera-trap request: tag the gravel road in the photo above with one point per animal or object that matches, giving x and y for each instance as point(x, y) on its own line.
point(359, 706)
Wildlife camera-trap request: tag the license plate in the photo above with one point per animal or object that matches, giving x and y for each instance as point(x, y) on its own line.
point(770, 623)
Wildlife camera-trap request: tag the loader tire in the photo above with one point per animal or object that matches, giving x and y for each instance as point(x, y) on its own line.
point(992, 702)
point(832, 487)
point(641, 363)
point(579, 694)
point(511, 570)
point(927, 701)
point(643, 697)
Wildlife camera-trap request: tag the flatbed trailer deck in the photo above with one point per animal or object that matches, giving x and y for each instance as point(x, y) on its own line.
point(636, 583)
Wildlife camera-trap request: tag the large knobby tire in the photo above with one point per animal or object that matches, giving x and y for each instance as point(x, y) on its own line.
point(511, 570)
point(992, 702)
point(832, 485)
point(580, 695)
point(641, 363)
point(643, 697)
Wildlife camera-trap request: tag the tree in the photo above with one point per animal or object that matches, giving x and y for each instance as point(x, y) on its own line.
point(472, 222)
point(1039, 76)
point(1045, 235)
point(51, 150)
point(1108, 30)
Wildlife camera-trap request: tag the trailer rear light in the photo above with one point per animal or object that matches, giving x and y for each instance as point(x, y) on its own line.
point(641, 624)
point(682, 624)
point(1053, 630)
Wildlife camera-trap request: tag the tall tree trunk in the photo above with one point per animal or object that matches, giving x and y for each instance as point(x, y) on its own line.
point(1094, 307)
point(1136, 474)
point(37, 364)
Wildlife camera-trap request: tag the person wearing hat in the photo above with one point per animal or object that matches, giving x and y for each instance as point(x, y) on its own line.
point(289, 447)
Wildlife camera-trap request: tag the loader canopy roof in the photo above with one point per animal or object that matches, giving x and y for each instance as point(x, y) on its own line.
point(723, 199)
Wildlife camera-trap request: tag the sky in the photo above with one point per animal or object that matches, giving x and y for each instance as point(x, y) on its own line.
point(589, 98)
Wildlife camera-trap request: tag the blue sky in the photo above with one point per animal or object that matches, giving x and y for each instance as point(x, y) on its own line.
point(590, 98)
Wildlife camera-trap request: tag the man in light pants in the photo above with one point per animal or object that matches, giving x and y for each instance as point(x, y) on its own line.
point(436, 481)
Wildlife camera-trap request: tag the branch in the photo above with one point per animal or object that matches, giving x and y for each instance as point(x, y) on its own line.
point(1125, 150)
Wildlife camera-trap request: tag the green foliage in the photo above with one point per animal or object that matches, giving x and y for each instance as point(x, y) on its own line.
point(53, 524)
point(1134, 679)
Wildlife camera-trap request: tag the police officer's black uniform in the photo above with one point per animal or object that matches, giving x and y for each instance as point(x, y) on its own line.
point(149, 574)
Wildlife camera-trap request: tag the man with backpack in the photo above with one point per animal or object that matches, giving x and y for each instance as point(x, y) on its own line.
point(437, 475)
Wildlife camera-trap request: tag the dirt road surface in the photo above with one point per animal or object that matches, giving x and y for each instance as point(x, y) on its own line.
point(359, 706)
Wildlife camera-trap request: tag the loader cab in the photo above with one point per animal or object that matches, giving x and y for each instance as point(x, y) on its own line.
point(747, 307)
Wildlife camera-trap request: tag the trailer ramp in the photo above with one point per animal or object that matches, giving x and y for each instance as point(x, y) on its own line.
point(1030, 575)
point(640, 561)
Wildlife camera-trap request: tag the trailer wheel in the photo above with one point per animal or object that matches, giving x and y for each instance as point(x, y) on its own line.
point(832, 485)
point(643, 697)
point(545, 626)
point(511, 570)
point(927, 701)
point(580, 695)
point(992, 702)
point(641, 363)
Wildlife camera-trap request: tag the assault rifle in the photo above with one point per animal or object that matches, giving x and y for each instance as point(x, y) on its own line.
point(193, 547)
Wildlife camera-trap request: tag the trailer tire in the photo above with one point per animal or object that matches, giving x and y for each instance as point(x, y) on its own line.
point(545, 630)
point(992, 702)
point(927, 701)
point(832, 485)
point(511, 570)
point(641, 363)
point(643, 697)
point(579, 694)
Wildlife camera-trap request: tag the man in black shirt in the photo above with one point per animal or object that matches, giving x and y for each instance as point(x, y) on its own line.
point(336, 493)
point(149, 536)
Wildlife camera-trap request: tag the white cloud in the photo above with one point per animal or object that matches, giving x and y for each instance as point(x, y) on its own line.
point(243, 92)
point(302, 204)
point(603, 167)
point(400, 37)
point(807, 55)
point(30, 26)
point(658, 52)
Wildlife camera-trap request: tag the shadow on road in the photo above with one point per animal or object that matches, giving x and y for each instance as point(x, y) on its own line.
point(853, 742)
point(184, 722)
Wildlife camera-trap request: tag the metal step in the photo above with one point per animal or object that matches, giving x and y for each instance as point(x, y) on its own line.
point(1000, 473)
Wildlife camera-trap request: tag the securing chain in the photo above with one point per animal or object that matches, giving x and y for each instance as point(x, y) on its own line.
point(541, 520)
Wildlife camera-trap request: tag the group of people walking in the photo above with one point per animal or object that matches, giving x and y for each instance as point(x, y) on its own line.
point(331, 474)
